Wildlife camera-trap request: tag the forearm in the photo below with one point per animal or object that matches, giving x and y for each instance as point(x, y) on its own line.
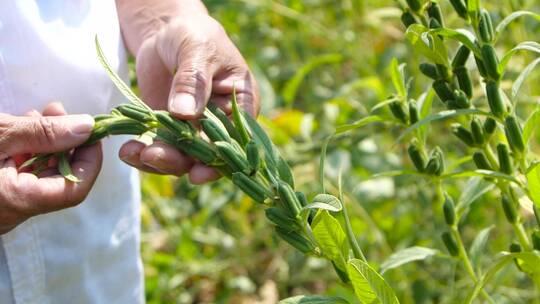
point(140, 19)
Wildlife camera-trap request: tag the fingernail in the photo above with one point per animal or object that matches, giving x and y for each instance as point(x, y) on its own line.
point(183, 104)
point(79, 124)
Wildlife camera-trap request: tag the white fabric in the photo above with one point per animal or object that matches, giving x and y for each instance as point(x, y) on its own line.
point(89, 253)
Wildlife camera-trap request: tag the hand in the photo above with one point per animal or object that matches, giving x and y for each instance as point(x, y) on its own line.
point(182, 38)
point(22, 194)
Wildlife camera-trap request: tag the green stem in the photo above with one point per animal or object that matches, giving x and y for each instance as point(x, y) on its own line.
point(466, 261)
point(357, 251)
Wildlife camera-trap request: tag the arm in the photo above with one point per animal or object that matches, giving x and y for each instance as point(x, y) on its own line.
point(184, 59)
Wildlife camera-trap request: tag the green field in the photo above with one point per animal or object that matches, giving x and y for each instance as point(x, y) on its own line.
point(322, 64)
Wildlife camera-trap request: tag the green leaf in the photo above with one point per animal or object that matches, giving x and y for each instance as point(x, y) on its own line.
point(369, 286)
point(531, 259)
point(118, 82)
point(415, 35)
point(396, 173)
point(261, 138)
point(441, 116)
point(325, 202)
point(65, 168)
point(533, 180)
point(462, 35)
point(478, 246)
point(291, 87)
point(359, 124)
point(523, 46)
point(484, 173)
point(407, 255)
point(398, 78)
point(239, 121)
point(522, 77)
point(510, 18)
point(476, 187)
point(331, 238)
point(530, 125)
point(37, 160)
point(313, 300)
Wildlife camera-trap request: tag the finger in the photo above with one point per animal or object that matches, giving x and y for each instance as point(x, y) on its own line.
point(130, 153)
point(245, 87)
point(54, 109)
point(42, 134)
point(192, 84)
point(41, 195)
point(153, 77)
point(32, 113)
point(200, 174)
point(166, 159)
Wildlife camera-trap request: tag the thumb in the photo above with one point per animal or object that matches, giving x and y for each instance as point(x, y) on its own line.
point(191, 87)
point(42, 134)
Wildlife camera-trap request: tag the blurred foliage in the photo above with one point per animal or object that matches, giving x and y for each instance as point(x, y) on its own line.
point(319, 64)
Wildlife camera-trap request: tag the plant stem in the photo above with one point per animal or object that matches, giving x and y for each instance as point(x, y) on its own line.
point(466, 261)
point(357, 251)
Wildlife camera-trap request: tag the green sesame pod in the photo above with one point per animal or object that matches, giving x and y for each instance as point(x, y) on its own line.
point(213, 131)
point(398, 111)
point(477, 131)
point(505, 162)
point(98, 133)
point(253, 156)
point(460, 8)
point(432, 166)
point(280, 218)
point(434, 23)
point(101, 117)
point(177, 127)
point(485, 27)
point(450, 243)
point(449, 210)
point(491, 61)
point(430, 70)
point(443, 71)
point(288, 198)
point(514, 135)
point(236, 161)
point(461, 57)
point(296, 240)
point(301, 198)
point(417, 157)
point(414, 5)
point(464, 80)
point(463, 134)
point(490, 125)
point(536, 239)
point(509, 209)
point(408, 19)
point(124, 127)
point(481, 161)
point(434, 11)
point(414, 116)
point(134, 112)
point(495, 101)
point(461, 101)
point(435, 165)
point(443, 90)
point(514, 248)
point(250, 186)
point(199, 149)
point(481, 66)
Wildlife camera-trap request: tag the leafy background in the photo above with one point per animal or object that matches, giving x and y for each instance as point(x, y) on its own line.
point(321, 64)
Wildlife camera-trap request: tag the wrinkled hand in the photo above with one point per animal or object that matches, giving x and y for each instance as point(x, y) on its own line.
point(22, 194)
point(206, 65)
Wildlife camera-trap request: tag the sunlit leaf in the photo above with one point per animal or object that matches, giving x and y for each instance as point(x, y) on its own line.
point(313, 300)
point(369, 286)
point(533, 180)
point(522, 77)
point(331, 238)
point(531, 124)
point(65, 168)
point(398, 78)
point(325, 202)
point(523, 46)
point(474, 189)
point(462, 35)
point(414, 35)
point(407, 255)
point(478, 246)
point(510, 18)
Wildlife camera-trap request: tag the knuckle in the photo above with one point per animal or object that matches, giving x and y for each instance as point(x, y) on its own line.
point(45, 130)
point(189, 80)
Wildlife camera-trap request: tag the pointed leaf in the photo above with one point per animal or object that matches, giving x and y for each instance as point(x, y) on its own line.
point(313, 300)
point(239, 121)
point(533, 180)
point(65, 168)
point(325, 202)
point(462, 35)
point(398, 78)
point(523, 46)
point(474, 189)
point(369, 286)
point(478, 246)
point(510, 18)
point(522, 77)
point(331, 238)
point(530, 125)
point(407, 255)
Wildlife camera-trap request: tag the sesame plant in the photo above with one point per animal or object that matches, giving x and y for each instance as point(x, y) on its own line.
point(467, 69)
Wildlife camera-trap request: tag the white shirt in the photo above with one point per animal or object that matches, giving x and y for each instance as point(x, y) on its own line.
point(89, 253)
